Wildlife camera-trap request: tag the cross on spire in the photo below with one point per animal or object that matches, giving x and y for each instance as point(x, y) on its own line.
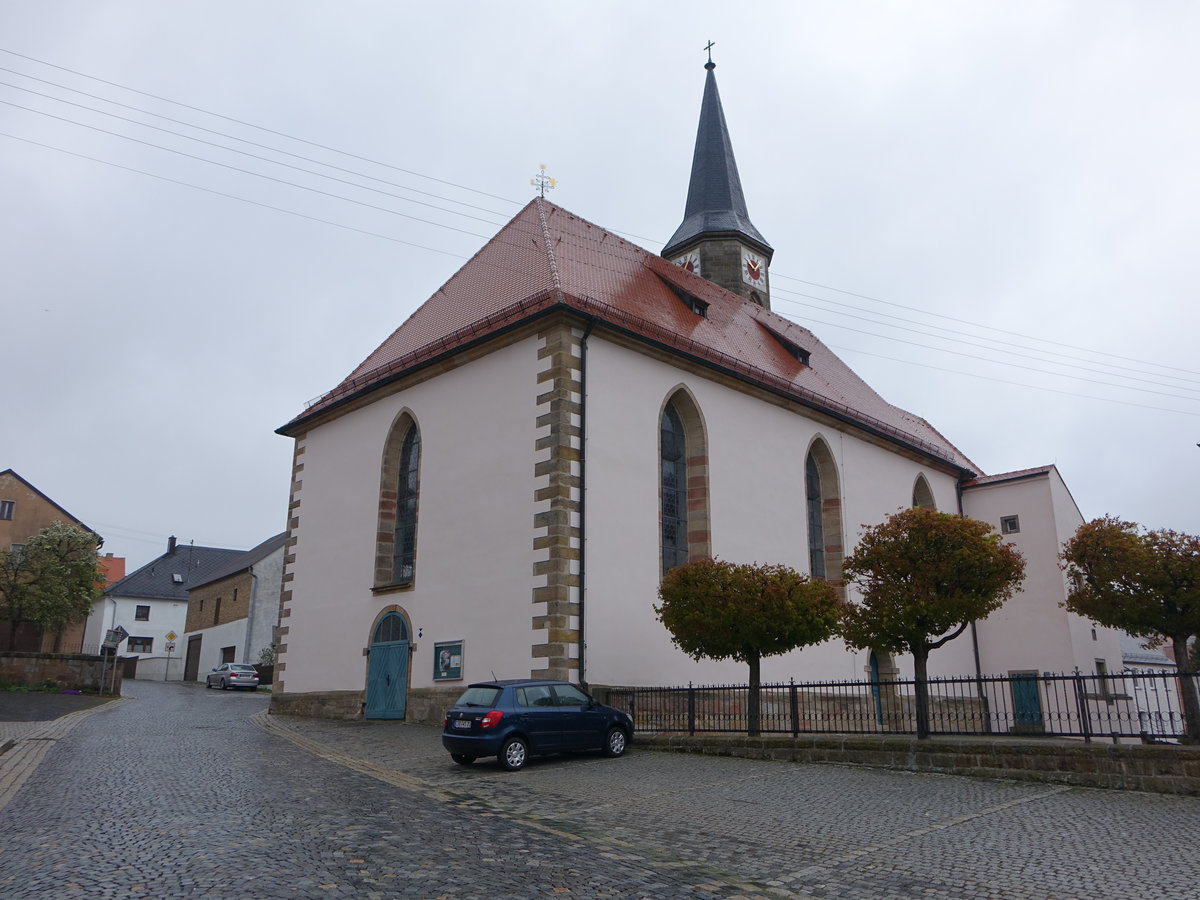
point(710, 64)
point(542, 181)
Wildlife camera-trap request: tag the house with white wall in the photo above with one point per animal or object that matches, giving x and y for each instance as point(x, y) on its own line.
point(150, 603)
point(233, 612)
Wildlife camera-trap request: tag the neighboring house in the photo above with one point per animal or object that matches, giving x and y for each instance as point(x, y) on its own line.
point(1034, 511)
point(151, 605)
point(24, 511)
point(500, 486)
point(1156, 696)
point(232, 615)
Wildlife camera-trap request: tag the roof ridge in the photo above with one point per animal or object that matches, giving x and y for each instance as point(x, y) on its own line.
point(539, 204)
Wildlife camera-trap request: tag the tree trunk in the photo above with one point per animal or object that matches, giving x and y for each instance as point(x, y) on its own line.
point(752, 702)
point(1189, 687)
point(921, 677)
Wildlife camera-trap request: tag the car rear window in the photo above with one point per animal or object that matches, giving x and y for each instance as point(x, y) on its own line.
point(479, 696)
point(241, 668)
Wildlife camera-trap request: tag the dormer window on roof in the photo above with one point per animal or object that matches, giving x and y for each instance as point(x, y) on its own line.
point(695, 304)
point(177, 578)
point(793, 349)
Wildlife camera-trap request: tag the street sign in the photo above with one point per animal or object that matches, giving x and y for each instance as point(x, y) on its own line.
point(171, 635)
point(170, 646)
point(113, 638)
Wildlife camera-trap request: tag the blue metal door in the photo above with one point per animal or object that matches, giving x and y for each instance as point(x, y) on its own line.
point(1027, 703)
point(387, 673)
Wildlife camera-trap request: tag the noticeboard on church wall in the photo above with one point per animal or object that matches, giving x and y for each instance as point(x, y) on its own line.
point(447, 661)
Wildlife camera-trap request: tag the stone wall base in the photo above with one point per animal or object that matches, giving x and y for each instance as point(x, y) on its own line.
point(65, 671)
point(1164, 769)
point(426, 706)
point(319, 704)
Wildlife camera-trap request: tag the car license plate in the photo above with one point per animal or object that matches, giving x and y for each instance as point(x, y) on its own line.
point(462, 723)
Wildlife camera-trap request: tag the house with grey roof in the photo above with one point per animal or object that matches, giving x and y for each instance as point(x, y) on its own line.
point(232, 613)
point(151, 605)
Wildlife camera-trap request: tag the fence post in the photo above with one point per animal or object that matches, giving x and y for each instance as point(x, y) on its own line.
point(794, 701)
point(1085, 716)
point(691, 709)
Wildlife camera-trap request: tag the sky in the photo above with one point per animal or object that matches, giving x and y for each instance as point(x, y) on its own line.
point(211, 212)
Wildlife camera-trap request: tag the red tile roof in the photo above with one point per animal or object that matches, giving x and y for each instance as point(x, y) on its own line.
point(546, 257)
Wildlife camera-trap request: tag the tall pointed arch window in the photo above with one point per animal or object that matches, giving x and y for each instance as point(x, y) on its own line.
point(823, 501)
point(816, 528)
point(683, 483)
point(923, 494)
point(399, 492)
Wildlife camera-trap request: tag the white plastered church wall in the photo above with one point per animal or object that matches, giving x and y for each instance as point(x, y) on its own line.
point(474, 553)
point(756, 454)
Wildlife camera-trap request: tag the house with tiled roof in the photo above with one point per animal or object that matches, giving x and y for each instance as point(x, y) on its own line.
point(232, 612)
point(500, 485)
point(24, 511)
point(150, 603)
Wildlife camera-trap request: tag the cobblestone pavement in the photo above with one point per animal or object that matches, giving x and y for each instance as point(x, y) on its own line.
point(182, 792)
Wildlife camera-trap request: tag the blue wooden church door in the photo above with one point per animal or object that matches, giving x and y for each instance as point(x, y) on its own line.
point(387, 673)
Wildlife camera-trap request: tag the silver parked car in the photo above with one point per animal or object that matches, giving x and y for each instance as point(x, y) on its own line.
point(232, 675)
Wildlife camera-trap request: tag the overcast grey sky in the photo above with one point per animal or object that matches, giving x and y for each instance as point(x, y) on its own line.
point(988, 209)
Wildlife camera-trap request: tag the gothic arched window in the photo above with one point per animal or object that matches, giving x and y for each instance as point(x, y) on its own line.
point(922, 494)
point(683, 483)
point(823, 501)
point(399, 490)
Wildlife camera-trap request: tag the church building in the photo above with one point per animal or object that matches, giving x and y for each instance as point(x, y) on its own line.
point(497, 490)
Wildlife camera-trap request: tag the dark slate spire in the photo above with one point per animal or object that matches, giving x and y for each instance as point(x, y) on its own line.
point(715, 203)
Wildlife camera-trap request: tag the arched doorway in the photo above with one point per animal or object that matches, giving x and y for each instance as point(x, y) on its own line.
point(387, 670)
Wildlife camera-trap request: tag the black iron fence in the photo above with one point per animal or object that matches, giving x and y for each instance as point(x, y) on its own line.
point(1145, 705)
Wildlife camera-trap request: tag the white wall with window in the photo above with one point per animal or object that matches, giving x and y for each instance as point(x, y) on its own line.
point(148, 623)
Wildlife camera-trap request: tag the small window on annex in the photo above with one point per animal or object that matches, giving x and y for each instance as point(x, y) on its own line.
point(1010, 524)
point(142, 614)
point(399, 491)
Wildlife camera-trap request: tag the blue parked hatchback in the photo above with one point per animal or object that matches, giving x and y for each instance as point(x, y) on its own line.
point(513, 720)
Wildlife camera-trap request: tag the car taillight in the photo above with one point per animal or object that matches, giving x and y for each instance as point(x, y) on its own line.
point(491, 719)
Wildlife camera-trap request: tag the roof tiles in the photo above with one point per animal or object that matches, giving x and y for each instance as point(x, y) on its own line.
point(546, 257)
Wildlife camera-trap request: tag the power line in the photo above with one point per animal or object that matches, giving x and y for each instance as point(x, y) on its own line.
point(261, 128)
point(1108, 356)
point(217, 193)
point(1009, 353)
point(987, 327)
point(1034, 387)
point(460, 256)
point(213, 162)
point(223, 134)
point(437, 224)
point(1014, 366)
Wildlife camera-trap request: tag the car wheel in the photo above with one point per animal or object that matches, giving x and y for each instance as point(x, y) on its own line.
point(513, 754)
point(615, 742)
point(463, 759)
point(224, 686)
point(207, 684)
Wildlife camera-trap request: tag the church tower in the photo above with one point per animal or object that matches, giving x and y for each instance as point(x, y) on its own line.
point(717, 239)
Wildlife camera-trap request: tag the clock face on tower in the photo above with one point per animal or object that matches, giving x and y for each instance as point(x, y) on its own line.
point(754, 268)
point(689, 261)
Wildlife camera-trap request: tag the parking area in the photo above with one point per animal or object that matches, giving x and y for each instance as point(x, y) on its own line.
point(176, 791)
point(810, 830)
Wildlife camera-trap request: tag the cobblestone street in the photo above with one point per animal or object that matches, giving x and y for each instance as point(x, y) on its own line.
point(182, 792)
